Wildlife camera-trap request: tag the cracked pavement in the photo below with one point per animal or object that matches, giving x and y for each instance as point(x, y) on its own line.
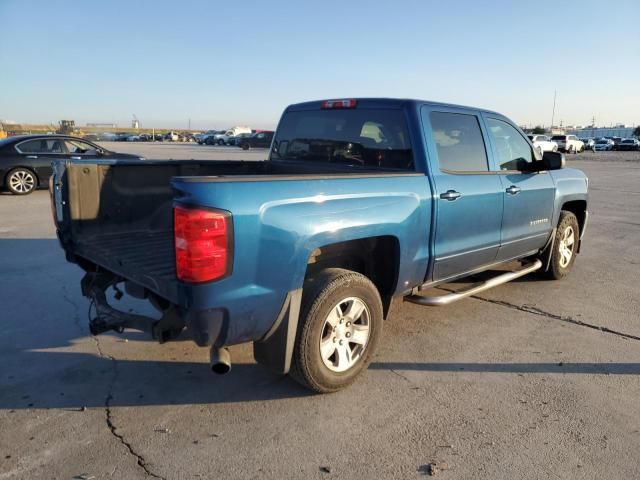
point(533, 379)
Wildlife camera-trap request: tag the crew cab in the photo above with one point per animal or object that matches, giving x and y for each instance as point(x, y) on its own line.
point(361, 202)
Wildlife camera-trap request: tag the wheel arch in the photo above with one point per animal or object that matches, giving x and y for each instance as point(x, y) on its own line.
point(377, 258)
point(579, 209)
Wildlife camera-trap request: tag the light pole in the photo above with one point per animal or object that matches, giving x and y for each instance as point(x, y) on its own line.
point(553, 112)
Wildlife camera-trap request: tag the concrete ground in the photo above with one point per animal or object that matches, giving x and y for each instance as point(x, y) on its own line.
point(531, 380)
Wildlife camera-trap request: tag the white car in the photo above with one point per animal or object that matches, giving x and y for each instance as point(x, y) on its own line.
point(568, 143)
point(543, 143)
point(172, 136)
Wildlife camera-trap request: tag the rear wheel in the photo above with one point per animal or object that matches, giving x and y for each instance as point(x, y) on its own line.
point(565, 246)
point(340, 325)
point(245, 146)
point(21, 181)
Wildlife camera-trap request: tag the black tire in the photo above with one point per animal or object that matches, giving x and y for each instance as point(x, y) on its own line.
point(558, 268)
point(220, 142)
point(245, 146)
point(21, 181)
point(322, 293)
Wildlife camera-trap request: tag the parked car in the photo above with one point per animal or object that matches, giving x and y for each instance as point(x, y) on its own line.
point(171, 136)
point(303, 254)
point(568, 143)
point(629, 144)
point(224, 138)
point(257, 140)
point(616, 141)
point(202, 138)
point(238, 138)
point(25, 160)
point(604, 144)
point(589, 143)
point(212, 139)
point(543, 143)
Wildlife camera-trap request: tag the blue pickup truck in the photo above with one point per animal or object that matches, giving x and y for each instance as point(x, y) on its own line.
point(361, 202)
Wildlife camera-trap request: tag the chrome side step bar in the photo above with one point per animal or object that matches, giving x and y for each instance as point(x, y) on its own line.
point(476, 288)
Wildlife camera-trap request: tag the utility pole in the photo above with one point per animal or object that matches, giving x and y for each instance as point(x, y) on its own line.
point(553, 112)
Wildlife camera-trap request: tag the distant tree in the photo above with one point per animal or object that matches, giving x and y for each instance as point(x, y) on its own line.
point(538, 130)
point(636, 132)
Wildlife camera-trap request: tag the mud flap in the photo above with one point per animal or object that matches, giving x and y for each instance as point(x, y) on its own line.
point(275, 349)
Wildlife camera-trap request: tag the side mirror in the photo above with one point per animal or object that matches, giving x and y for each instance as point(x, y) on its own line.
point(553, 160)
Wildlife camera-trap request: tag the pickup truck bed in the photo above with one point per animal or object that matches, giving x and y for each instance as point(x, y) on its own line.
point(119, 215)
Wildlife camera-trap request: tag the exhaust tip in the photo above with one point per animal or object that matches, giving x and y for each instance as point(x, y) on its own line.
point(220, 360)
point(220, 368)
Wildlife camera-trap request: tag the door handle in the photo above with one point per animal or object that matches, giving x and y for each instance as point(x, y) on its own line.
point(450, 195)
point(513, 190)
point(32, 156)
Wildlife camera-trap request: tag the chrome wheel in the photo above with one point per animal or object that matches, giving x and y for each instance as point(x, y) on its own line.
point(567, 242)
point(345, 334)
point(22, 181)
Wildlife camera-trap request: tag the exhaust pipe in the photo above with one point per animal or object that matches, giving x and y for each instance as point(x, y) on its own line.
point(220, 360)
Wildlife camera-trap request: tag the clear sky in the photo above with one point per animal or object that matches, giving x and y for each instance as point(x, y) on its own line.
point(226, 63)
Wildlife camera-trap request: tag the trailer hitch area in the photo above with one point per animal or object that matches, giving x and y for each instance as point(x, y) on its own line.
point(107, 318)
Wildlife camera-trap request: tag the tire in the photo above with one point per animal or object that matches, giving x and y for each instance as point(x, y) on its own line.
point(220, 142)
point(21, 181)
point(559, 264)
point(327, 299)
point(245, 146)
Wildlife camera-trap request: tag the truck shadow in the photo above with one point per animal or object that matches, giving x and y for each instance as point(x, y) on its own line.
point(77, 380)
point(525, 367)
point(87, 381)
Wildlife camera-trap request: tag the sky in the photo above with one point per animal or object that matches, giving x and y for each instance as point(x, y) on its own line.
point(218, 64)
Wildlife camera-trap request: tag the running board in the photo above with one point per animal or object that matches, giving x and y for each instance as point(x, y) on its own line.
point(476, 288)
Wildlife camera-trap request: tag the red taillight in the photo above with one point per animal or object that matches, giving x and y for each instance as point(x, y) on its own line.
point(203, 244)
point(339, 103)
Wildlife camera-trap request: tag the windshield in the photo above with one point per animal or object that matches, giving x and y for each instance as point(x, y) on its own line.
point(359, 137)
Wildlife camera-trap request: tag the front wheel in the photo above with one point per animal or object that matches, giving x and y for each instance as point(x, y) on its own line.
point(565, 246)
point(21, 181)
point(340, 325)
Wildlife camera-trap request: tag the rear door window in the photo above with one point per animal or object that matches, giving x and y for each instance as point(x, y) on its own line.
point(459, 142)
point(363, 137)
point(45, 145)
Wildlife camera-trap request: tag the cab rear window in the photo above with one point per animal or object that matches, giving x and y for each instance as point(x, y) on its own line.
point(370, 138)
